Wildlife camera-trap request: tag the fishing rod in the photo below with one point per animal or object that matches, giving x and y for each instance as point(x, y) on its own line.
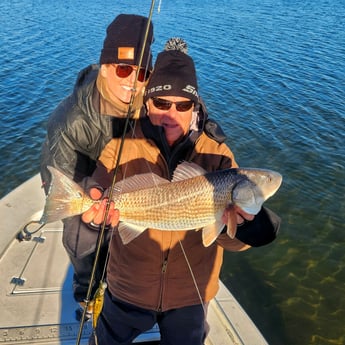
point(100, 238)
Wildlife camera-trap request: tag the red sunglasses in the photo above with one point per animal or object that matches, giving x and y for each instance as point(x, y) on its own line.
point(124, 71)
point(163, 104)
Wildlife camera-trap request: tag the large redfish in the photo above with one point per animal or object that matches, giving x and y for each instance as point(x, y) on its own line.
point(193, 200)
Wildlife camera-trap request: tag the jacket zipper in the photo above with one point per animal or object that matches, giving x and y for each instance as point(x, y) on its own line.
point(163, 271)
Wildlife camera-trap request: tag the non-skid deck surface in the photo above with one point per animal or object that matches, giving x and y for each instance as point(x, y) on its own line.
point(36, 301)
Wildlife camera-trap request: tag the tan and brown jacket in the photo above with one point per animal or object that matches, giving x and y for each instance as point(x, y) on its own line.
point(162, 270)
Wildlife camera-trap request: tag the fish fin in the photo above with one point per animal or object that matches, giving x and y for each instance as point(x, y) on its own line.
point(187, 170)
point(232, 223)
point(128, 232)
point(59, 201)
point(211, 232)
point(140, 181)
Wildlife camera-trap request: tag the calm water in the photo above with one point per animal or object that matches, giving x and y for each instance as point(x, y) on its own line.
point(272, 72)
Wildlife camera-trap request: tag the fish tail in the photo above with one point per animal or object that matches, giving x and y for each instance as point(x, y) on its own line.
point(65, 198)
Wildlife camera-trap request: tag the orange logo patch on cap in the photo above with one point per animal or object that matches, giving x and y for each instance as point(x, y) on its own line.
point(125, 53)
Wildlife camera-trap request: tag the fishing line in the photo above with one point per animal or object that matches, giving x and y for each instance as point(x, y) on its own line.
point(159, 6)
point(192, 274)
point(103, 228)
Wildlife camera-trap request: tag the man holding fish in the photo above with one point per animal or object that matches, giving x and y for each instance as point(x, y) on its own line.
point(163, 275)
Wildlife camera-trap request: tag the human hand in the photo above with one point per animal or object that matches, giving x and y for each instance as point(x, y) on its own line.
point(242, 216)
point(234, 216)
point(95, 214)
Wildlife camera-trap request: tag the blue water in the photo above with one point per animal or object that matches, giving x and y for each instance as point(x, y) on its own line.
point(273, 73)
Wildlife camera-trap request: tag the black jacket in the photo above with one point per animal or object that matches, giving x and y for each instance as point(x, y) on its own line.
point(76, 131)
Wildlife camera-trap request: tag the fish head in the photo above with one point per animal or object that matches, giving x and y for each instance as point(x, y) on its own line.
point(254, 187)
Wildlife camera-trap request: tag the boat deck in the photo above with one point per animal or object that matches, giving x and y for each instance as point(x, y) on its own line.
point(37, 305)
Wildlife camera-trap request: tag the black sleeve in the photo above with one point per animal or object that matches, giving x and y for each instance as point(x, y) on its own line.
point(262, 230)
point(70, 143)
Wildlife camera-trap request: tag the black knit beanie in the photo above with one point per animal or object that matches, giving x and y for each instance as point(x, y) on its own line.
point(124, 41)
point(173, 75)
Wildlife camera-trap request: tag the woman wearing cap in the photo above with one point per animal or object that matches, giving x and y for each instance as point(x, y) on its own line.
point(89, 118)
point(168, 277)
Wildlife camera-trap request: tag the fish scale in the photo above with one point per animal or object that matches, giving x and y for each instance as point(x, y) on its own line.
point(172, 208)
